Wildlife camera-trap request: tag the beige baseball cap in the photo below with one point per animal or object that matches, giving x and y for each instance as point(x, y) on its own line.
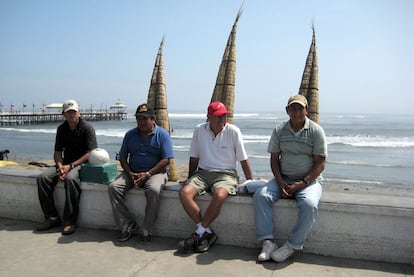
point(297, 98)
point(70, 105)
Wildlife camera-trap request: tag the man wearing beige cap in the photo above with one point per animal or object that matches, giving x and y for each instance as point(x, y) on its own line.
point(75, 138)
point(298, 152)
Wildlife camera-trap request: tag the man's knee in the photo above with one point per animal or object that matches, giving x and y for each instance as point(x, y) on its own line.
point(111, 190)
point(111, 186)
point(259, 194)
point(42, 178)
point(72, 182)
point(153, 191)
point(220, 194)
point(115, 190)
point(187, 191)
point(309, 203)
point(39, 181)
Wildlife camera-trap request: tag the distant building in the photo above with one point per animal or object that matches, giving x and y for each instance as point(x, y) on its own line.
point(118, 106)
point(54, 108)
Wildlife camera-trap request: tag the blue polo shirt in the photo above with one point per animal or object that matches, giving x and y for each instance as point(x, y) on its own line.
point(143, 153)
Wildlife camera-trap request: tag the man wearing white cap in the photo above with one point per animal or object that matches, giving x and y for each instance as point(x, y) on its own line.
point(75, 138)
point(298, 152)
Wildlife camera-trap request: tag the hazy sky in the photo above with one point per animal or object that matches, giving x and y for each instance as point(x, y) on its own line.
point(97, 51)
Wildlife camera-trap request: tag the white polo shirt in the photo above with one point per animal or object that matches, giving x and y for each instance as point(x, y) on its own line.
point(217, 152)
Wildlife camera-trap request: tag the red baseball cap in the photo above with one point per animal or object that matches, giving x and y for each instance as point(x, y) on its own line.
point(217, 109)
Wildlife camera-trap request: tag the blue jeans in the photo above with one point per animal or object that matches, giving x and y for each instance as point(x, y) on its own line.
point(307, 201)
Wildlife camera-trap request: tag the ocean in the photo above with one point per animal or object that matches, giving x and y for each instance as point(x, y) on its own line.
point(361, 147)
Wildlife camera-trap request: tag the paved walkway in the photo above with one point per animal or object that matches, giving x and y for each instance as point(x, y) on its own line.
point(97, 253)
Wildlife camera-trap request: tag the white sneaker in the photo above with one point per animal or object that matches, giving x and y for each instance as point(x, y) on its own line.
point(282, 253)
point(268, 247)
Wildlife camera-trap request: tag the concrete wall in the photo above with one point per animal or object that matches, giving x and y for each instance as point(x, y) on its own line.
point(361, 226)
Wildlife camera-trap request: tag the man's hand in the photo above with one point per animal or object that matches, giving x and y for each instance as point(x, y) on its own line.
point(292, 188)
point(138, 179)
point(284, 186)
point(62, 171)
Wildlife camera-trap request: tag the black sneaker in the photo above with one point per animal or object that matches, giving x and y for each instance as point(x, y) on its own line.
point(206, 241)
point(48, 224)
point(189, 245)
point(145, 239)
point(127, 232)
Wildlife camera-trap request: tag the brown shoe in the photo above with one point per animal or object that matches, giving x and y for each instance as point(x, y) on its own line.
point(68, 229)
point(48, 224)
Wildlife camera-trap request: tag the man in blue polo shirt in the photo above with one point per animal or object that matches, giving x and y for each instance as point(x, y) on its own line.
point(298, 152)
point(144, 157)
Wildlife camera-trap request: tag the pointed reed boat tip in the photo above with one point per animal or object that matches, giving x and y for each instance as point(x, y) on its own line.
point(162, 42)
point(313, 26)
point(239, 13)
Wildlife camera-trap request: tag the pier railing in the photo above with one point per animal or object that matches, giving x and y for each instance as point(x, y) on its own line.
point(28, 118)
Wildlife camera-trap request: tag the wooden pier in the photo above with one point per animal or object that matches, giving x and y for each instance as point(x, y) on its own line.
point(30, 118)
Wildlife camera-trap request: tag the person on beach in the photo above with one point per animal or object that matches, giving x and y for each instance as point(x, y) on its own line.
point(298, 152)
point(144, 157)
point(215, 149)
point(75, 138)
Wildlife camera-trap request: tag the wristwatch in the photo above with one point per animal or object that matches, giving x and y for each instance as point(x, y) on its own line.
point(305, 182)
point(148, 174)
point(72, 166)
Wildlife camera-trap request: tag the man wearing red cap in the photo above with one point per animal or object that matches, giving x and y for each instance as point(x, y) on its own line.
point(215, 149)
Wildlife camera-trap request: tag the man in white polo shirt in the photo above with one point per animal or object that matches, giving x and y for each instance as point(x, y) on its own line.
point(215, 149)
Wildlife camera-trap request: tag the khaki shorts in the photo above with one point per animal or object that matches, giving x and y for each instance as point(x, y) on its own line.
point(208, 180)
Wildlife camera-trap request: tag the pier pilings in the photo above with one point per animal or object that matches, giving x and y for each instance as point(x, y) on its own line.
point(31, 118)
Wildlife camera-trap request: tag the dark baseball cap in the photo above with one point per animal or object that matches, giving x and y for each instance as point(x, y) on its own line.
point(145, 110)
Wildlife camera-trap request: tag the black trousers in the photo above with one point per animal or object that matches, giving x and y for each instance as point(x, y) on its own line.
point(46, 183)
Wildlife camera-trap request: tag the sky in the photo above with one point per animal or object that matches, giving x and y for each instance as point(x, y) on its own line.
point(99, 51)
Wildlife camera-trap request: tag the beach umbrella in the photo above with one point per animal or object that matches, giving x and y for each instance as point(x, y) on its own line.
point(309, 85)
point(226, 77)
point(157, 98)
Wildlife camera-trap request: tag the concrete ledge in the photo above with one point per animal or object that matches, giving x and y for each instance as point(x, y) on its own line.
point(363, 225)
